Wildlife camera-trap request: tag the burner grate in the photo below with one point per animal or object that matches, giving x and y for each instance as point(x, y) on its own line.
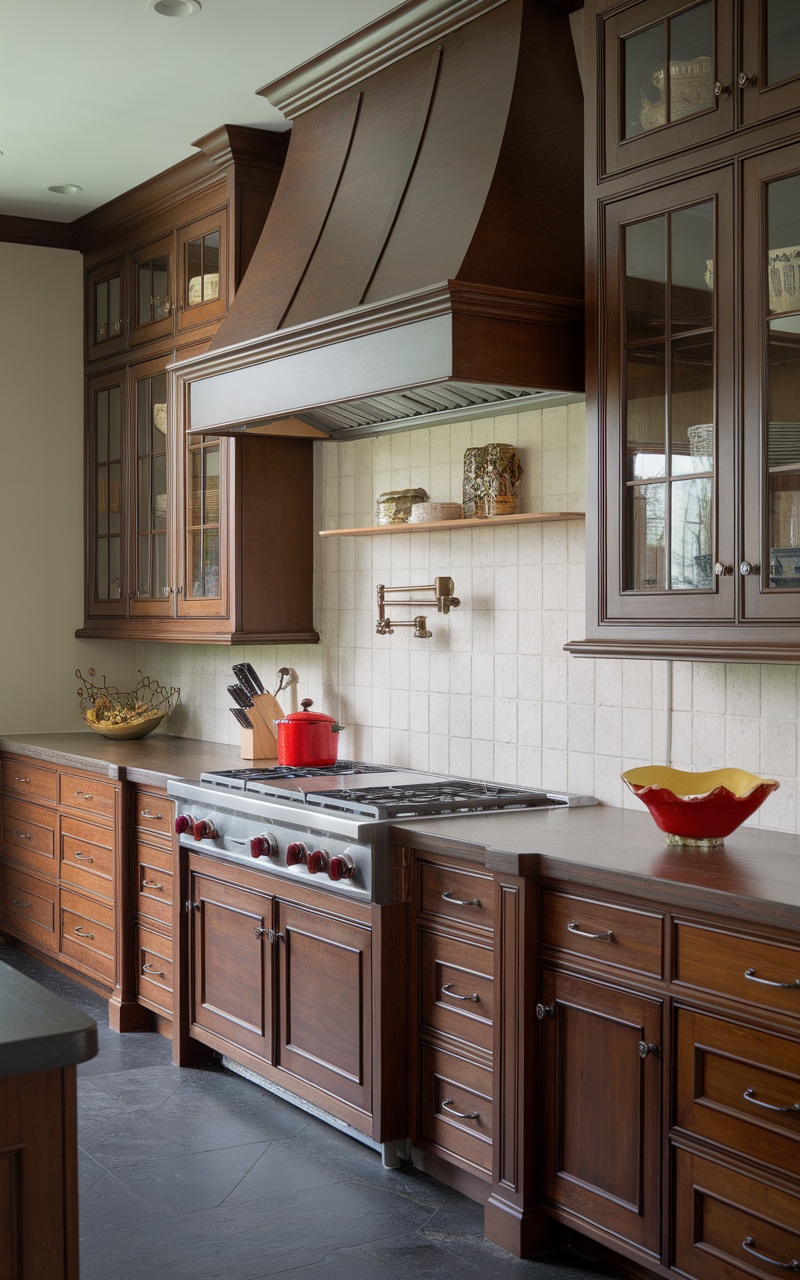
point(240, 779)
point(430, 798)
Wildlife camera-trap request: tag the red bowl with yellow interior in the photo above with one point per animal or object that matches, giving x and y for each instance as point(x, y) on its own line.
point(698, 808)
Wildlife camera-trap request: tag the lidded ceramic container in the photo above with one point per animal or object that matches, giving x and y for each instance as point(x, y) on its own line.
point(492, 473)
point(395, 506)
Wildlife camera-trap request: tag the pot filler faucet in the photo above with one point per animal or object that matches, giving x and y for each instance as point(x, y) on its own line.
point(442, 596)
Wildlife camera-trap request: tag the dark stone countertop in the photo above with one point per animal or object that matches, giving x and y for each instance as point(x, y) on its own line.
point(38, 1031)
point(149, 761)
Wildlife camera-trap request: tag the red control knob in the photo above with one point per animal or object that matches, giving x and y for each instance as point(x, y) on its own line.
point(204, 829)
point(318, 861)
point(295, 853)
point(263, 846)
point(341, 867)
point(183, 823)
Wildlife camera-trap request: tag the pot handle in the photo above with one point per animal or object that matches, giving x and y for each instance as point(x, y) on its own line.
point(337, 728)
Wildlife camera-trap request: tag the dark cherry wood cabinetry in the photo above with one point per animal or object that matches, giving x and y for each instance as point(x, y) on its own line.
point(153, 817)
point(693, 377)
point(203, 540)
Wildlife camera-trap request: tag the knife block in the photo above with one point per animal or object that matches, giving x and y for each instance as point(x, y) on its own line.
point(260, 742)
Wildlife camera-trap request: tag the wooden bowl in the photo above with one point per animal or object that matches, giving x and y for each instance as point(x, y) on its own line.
point(698, 808)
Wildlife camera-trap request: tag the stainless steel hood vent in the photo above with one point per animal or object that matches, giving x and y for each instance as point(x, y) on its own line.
point(423, 256)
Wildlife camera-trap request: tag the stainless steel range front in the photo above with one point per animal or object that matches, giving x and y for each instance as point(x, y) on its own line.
point(329, 826)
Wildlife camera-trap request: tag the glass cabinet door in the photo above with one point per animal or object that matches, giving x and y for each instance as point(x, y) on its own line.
point(108, 584)
point(106, 300)
point(669, 428)
point(669, 79)
point(769, 75)
point(204, 587)
point(150, 440)
point(203, 271)
point(152, 291)
point(771, 548)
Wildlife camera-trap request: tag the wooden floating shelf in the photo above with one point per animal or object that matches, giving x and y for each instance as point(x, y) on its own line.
point(430, 526)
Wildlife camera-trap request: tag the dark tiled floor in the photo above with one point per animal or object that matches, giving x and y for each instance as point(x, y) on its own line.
point(200, 1174)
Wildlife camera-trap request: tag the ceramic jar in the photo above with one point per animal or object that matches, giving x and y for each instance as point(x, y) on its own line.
point(395, 507)
point(492, 474)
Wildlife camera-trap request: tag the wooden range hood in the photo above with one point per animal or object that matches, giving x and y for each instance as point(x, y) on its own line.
point(423, 256)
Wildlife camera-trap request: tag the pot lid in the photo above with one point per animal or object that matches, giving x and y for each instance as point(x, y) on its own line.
point(307, 717)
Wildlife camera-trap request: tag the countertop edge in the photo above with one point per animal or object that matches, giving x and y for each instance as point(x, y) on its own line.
point(38, 1030)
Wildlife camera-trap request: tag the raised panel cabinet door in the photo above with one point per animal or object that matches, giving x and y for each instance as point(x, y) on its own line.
point(768, 77)
point(106, 490)
point(153, 574)
point(325, 1002)
point(667, 470)
point(601, 1108)
point(667, 81)
point(230, 965)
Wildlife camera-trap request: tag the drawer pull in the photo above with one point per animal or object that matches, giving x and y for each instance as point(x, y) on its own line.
point(83, 795)
point(80, 933)
point(749, 1245)
point(152, 884)
point(460, 902)
point(447, 990)
point(447, 1105)
point(574, 927)
point(749, 1095)
point(22, 835)
point(151, 968)
point(83, 857)
point(18, 902)
point(750, 974)
point(26, 781)
point(148, 813)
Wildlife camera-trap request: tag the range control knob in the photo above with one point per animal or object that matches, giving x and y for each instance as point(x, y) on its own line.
point(341, 867)
point(263, 846)
point(318, 861)
point(183, 823)
point(204, 829)
point(296, 853)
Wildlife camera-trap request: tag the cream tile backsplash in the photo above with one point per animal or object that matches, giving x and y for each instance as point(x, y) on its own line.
point(492, 694)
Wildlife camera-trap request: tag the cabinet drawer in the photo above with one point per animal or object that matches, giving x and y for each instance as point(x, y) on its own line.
point(154, 813)
point(29, 835)
point(763, 974)
point(456, 894)
point(739, 1087)
point(87, 933)
point(89, 795)
point(154, 969)
point(621, 937)
point(724, 1219)
point(154, 883)
point(30, 779)
point(29, 907)
point(456, 1109)
point(87, 857)
point(456, 989)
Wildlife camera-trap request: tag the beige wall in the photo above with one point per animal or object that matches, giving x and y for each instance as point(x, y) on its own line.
point(41, 494)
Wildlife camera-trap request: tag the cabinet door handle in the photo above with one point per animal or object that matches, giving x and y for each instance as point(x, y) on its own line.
point(574, 927)
point(83, 857)
point(83, 795)
point(447, 989)
point(22, 835)
point(723, 570)
point(721, 90)
point(148, 813)
point(18, 902)
point(447, 1105)
point(743, 80)
point(152, 884)
point(749, 1245)
point(749, 1095)
point(81, 933)
point(460, 902)
point(746, 567)
point(750, 974)
point(25, 780)
point(151, 968)
point(644, 1049)
point(545, 1011)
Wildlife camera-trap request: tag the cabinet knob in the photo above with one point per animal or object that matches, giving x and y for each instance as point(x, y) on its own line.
point(644, 1049)
point(746, 567)
point(545, 1011)
point(723, 570)
point(721, 90)
point(743, 80)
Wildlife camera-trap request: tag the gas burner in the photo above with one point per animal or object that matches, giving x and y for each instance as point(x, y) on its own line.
point(412, 801)
point(240, 779)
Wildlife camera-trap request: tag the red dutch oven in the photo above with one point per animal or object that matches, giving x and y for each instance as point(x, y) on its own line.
point(308, 737)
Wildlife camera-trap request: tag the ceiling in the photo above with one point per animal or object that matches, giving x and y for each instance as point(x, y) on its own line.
point(106, 93)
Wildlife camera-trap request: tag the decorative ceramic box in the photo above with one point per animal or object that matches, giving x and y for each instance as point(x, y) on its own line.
point(492, 474)
point(395, 506)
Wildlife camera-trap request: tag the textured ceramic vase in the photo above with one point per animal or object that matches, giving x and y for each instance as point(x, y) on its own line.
point(491, 481)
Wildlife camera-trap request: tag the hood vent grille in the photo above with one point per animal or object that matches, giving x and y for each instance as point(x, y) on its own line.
point(423, 256)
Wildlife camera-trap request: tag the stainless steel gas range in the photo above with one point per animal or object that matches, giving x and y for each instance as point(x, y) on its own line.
point(329, 826)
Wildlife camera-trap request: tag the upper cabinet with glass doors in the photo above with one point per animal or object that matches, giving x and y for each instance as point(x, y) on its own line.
point(683, 75)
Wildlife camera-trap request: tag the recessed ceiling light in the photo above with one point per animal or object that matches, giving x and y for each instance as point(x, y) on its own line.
point(174, 8)
point(64, 188)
